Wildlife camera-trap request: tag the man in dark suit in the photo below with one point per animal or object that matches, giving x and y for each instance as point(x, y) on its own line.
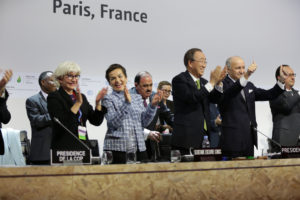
point(40, 121)
point(4, 112)
point(143, 86)
point(191, 95)
point(215, 124)
point(286, 112)
point(237, 108)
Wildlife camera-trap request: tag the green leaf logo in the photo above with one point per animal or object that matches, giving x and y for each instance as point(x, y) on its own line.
point(19, 79)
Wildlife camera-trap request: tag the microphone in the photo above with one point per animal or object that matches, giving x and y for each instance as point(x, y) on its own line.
point(279, 145)
point(70, 132)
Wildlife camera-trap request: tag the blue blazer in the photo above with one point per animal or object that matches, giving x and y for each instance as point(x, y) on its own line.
point(238, 114)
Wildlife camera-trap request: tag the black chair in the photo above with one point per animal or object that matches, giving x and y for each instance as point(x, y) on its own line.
point(95, 152)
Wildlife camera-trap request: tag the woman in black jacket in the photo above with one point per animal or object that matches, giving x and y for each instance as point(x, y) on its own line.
point(71, 108)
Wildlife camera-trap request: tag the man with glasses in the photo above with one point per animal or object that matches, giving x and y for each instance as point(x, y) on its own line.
point(191, 95)
point(143, 86)
point(286, 112)
point(40, 121)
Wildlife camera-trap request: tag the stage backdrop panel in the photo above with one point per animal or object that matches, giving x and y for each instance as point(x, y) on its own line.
point(142, 35)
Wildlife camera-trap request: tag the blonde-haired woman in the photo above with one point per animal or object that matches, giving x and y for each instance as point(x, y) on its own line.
point(72, 108)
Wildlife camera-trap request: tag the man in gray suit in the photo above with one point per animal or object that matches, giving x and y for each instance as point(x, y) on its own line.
point(40, 121)
point(286, 112)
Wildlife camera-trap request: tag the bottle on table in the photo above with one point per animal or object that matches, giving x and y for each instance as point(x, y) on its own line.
point(205, 143)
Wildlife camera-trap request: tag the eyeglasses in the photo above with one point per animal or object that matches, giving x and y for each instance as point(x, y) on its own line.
point(204, 62)
point(70, 77)
point(167, 91)
point(291, 75)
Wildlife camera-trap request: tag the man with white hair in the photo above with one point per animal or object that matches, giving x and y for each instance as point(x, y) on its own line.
point(237, 108)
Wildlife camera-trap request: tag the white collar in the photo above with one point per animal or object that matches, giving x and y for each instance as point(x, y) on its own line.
point(44, 94)
point(231, 78)
point(193, 77)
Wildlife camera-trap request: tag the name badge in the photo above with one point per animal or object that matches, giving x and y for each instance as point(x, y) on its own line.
point(82, 132)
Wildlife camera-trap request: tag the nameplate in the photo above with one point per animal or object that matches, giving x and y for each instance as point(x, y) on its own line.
point(69, 157)
point(210, 154)
point(290, 152)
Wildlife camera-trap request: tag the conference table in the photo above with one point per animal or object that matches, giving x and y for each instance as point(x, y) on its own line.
point(241, 179)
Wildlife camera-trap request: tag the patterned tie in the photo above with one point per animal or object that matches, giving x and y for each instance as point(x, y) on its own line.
point(198, 87)
point(145, 103)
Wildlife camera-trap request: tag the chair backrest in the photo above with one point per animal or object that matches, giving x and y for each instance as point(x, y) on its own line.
point(95, 148)
point(25, 143)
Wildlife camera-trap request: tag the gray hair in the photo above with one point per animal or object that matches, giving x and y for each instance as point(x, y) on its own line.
point(228, 61)
point(140, 75)
point(66, 67)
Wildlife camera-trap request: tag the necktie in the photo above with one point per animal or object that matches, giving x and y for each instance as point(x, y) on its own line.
point(145, 103)
point(198, 87)
point(198, 84)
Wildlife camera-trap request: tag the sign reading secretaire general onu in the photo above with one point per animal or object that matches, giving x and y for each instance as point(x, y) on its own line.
point(105, 12)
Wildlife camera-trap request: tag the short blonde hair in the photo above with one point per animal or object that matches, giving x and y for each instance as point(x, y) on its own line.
point(64, 68)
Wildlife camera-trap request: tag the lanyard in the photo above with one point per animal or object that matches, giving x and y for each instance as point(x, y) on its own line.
point(73, 97)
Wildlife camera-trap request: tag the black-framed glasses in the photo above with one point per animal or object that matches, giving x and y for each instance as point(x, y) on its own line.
point(70, 76)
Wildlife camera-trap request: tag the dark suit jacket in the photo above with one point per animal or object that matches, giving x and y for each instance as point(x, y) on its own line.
point(191, 107)
point(163, 118)
point(4, 118)
point(41, 127)
point(152, 146)
point(238, 115)
point(286, 118)
point(59, 106)
point(214, 128)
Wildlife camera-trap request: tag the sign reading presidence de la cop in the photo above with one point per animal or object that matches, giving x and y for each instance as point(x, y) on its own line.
point(59, 157)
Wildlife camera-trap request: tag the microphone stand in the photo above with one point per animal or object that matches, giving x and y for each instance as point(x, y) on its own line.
point(279, 145)
point(70, 132)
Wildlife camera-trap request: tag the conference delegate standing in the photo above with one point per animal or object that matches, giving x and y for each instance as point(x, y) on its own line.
point(71, 108)
point(192, 94)
point(237, 108)
point(126, 117)
point(4, 112)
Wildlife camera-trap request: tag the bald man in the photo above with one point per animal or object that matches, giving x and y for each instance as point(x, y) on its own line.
point(237, 108)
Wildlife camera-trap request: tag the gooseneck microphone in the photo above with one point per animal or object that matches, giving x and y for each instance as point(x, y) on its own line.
point(70, 132)
point(279, 145)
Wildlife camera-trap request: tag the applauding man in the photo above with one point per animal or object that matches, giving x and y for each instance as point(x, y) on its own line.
point(237, 108)
point(4, 113)
point(191, 95)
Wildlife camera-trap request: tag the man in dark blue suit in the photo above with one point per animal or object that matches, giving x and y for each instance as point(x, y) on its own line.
point(286, 112)
point(191, 95)
point(237, 108)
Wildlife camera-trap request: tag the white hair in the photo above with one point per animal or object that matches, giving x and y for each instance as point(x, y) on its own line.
point(66, 67)
point(228, 61)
